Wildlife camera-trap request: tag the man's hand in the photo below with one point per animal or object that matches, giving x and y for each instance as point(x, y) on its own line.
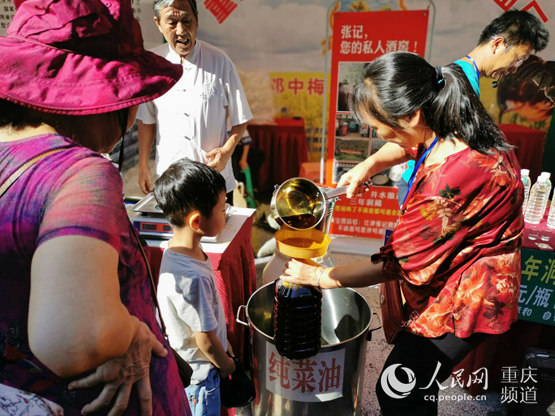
point(217, 158)
point(145, 180)
point(119, 375)
point(146, 135)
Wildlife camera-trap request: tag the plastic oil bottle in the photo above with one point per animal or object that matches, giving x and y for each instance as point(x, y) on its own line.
point(297, 320)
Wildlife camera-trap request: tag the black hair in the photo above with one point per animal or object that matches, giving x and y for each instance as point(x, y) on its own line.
point(185, 186)
point(19, 117)
point(398, 84)
point(517, 27)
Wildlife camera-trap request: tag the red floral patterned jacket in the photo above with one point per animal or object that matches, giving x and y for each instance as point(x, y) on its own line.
point(457, 245)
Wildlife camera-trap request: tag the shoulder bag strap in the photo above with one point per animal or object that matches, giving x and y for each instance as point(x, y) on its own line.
point(13, 177)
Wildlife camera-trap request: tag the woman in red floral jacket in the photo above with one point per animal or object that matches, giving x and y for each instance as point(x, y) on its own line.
point(456, 247)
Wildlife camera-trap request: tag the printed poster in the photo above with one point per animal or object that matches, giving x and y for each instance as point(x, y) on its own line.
point(358, 39)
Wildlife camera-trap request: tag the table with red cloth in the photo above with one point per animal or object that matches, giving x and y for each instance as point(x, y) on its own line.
point(529, 144)
point(508, 349)
point(283, 143)
point(233, 260)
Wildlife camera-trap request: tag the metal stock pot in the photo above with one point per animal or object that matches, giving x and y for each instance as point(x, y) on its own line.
point(333, 378)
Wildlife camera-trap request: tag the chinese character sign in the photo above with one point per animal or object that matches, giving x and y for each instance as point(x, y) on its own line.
point(298, 93)
point(220, 9)
point(359, 38)
point(366, 215)
point(536, 302)
point(314, 379)
point(519, 385)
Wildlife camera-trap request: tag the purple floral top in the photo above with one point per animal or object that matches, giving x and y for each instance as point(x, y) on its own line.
point(72, 192)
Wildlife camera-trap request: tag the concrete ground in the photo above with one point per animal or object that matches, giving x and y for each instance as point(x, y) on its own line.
point(377, 349)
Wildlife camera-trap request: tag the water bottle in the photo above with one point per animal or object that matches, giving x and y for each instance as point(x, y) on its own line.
point(297, 320)
point(548, 176)
point(525, 177)
point(537, 201)
point(549, 187)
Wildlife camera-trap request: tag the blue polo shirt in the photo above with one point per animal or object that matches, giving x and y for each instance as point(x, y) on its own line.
point(471, 74)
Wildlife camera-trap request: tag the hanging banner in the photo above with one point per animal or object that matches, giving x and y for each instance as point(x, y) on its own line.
point(358, 39)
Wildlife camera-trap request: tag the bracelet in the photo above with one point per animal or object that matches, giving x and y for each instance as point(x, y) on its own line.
point(319, 276)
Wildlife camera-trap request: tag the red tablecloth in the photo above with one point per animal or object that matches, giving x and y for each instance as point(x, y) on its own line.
point(529, 146)
point(284, 147)
point(235, 280)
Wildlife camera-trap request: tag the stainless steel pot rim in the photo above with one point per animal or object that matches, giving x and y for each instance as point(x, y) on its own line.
point(324, 346)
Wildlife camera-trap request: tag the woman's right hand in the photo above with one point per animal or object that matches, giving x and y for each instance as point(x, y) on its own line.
point(120, 375)
point(355, 177)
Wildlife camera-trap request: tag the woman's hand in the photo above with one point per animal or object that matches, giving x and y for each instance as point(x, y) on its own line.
point(302, 273)
point(355, 179)
point(359, 274)
point(119, 375)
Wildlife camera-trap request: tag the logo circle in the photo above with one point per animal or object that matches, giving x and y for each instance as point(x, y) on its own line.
point(391, 384)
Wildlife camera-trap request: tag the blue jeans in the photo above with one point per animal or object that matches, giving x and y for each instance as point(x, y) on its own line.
point(204, 398)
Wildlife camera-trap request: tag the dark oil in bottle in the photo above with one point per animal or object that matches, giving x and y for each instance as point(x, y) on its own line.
point(297, 320)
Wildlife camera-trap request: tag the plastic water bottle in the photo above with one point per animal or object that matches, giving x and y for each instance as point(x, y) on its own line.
point(526, 181)
point(548, 175)
point(297, 320)
point(537, 201)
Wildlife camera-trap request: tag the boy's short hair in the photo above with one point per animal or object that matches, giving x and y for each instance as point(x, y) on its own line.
point(517, 27)
point(187, 186)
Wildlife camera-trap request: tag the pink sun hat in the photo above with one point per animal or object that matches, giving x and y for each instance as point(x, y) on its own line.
point(80, 57)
